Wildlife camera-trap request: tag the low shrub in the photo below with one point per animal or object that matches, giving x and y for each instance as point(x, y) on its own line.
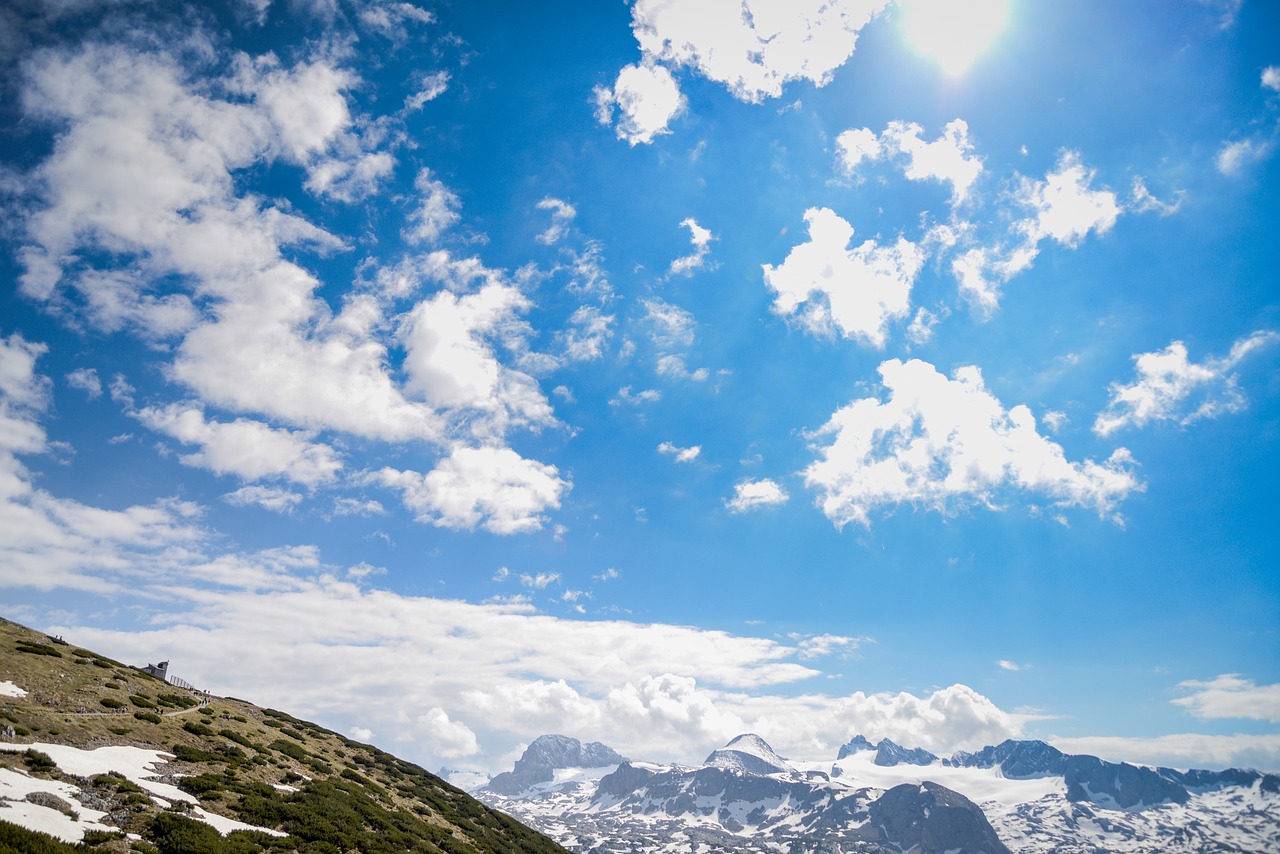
point(197, 729)
point(149, 717)
point(288, 748)
point(141, 702)
point(37, 649)
point(111, 703)
point(39, 761)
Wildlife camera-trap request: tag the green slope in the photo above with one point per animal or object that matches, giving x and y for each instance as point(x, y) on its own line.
point(230, 755)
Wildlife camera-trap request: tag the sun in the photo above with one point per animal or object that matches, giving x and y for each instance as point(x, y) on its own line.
point(953, 32)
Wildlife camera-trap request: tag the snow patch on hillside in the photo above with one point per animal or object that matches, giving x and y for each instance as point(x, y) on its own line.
point(135, 764)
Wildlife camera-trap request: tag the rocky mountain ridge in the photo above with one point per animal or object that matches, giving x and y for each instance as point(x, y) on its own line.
point(879, 797)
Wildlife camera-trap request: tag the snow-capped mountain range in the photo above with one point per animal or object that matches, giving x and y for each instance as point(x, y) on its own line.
point(1023, 796)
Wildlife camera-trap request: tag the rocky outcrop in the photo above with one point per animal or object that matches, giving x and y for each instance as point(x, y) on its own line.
point(931, 819)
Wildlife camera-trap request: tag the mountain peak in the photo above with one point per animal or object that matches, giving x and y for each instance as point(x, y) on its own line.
point(547, 753)
point(748, 753)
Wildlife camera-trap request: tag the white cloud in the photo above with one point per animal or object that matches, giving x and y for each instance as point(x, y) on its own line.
point(756, 48)
point(626, 395)
point(944, 443)
point(248, 449)
point(390, 19)
point(670, 326)
point(540, 581)
point(1230, 696)
point(1063, 207)
point(1144, 202)
point(646, 99)
point(921, 330)
point(562, 213)
point(822, 646)
point(584, 338)
point(86, 379)
point(755, 495)
point(431, 86)
point(672, 365)
point(343, 506)
point(1182, 750)
point(948, 158)
point(1234, 157)
point(446, 738)
point(1012, 666)
point(273, 498)
point(701, 239)
point(450, 363)
point(682, 455)
point(491, 487)
point(857, 292)
point(1271, 78)
point(146, 172)
point(1170, 387)
point(350, 179)
point(436, 212)
point(1055, 420)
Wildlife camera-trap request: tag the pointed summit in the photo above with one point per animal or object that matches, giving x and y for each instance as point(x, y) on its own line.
point(750, 754)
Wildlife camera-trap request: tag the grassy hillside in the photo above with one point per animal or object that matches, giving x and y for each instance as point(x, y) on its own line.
point(236, 759)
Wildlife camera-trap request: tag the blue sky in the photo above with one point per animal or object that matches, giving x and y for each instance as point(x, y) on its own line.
point(653, 374)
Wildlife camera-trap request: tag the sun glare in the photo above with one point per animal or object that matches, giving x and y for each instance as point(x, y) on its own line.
point(953, 32)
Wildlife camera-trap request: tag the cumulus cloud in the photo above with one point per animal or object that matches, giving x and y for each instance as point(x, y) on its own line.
point(832, 288)
point(452, 365)
point(645, 99)
point(146, 171)
point(448, 739)
point(248, 449)
point(86, 379)
point(682, 455)
point(755, 495)
point(1063, 207)
point(490, 487)
point(944, 443)
point(1231, 696)
point(701, 239)
point(1170, 387)
point(1271, 78)
point(753, 49)
point(949, 158)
